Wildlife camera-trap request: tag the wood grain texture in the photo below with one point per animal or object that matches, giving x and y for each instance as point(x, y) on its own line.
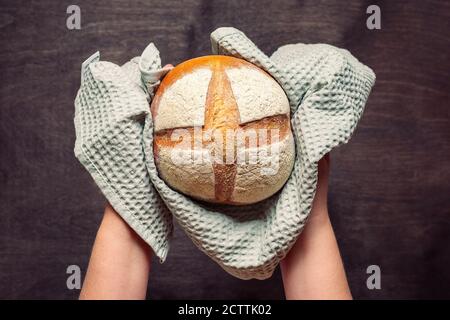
point(390, 187)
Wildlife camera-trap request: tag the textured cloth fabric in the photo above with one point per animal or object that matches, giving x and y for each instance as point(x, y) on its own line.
point(111, 108)
point(327, 89)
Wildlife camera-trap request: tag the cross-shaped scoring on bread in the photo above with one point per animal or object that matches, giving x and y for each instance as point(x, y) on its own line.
point(214, 100)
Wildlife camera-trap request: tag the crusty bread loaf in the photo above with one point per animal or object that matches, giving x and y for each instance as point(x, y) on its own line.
point(222, 131)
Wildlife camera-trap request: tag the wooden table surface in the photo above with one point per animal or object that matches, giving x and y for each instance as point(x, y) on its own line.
point(390, 187)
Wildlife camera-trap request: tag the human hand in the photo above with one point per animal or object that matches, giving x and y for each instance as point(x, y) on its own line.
point(120, 262)
point(111, 106)
point(313, 268)
point(319, 211)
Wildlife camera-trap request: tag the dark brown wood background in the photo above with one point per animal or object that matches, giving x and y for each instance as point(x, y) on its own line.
point(390, 189)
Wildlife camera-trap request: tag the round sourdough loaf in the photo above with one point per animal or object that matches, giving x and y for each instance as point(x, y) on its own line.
point(222, 131)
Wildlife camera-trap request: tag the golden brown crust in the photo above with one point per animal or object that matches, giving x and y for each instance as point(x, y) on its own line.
point(221, 114)
point(188, 66)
